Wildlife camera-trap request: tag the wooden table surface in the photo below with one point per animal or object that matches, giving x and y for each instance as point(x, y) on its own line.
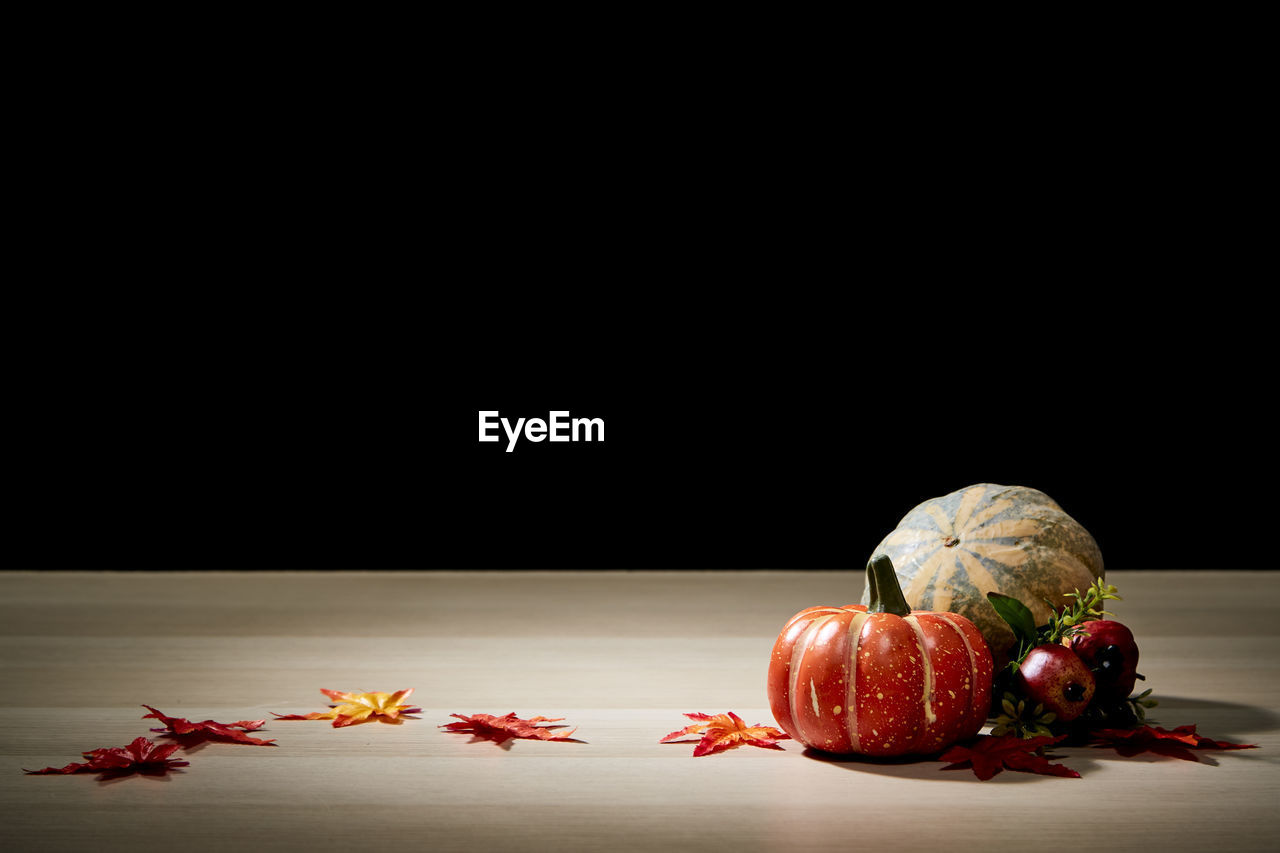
point(621, 655)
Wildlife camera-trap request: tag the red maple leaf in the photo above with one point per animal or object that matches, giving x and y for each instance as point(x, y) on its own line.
point(189, 733)
point(1175, 743)
point(140, 756)
point(723, 731)
point(501, 729)
point(990, 754)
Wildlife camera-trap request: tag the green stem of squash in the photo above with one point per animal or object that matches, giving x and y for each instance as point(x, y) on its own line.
point(885, 591)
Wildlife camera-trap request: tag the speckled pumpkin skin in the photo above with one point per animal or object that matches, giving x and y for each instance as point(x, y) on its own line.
point(845, 680)
point(951, 551)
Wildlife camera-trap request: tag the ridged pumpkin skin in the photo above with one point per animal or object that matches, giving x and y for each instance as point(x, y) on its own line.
point(951, 551)
point(845, 680)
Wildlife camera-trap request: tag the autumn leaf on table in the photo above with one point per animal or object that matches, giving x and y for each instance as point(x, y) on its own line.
point(987, 755)
point(189, 733)
point(1175, 743)
point(352, 708)
point(140, 756)
point(723, 731)
point(501, 729)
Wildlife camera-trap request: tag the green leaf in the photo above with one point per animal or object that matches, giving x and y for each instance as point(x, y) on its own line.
point(1017, 614)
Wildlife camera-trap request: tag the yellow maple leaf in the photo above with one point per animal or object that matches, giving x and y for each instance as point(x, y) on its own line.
point(352, 708)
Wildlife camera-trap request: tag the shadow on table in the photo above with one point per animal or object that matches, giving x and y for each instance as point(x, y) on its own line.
point(151, 774)
point(1212, 718)
point(1220, 720)
point(919, 767)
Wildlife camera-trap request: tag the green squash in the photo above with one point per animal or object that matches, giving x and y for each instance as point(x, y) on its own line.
point(951, 551)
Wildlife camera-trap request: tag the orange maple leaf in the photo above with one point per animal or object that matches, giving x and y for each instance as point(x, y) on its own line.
point(723, 731)
point(352, 708)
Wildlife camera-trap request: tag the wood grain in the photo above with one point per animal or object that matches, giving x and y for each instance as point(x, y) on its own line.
point(621, 655)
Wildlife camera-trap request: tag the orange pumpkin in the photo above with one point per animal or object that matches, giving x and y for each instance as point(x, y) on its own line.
point(880, 679)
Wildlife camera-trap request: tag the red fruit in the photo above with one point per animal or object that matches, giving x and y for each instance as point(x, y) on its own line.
point(1054, 676)
point(1108, 649)
point(880, 679)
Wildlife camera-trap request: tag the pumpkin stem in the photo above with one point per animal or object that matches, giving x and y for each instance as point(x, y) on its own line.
point(886, 593)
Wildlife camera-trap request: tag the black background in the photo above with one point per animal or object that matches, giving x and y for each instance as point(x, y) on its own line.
point(724, 449)
point(800, 310)
point(811, 464)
